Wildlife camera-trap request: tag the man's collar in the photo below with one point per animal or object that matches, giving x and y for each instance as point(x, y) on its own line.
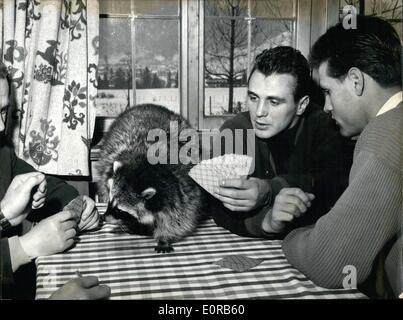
point(392, 103)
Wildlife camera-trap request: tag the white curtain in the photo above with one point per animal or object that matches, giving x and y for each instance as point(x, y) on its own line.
point(50, 48)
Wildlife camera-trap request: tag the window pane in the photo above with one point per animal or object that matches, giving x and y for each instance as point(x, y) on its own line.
point(231, 8)
point(273, 9)
point(227, 47)
point(114, 78)
point(140, 7)
point(258, 8)
point(226, 61)
point(355, 3)
point(157, 62)
point(387, 9)
point(268, 34)
point(390, 10)
point(398, 27)
point(114, 6)
point(156, 7)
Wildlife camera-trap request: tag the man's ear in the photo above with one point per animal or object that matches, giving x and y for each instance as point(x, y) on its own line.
point(356, 80)
point(117, 165)
point(148, 193)
point(302, 105)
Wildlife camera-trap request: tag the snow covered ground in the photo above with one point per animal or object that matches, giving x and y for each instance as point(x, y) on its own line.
point(113, 102)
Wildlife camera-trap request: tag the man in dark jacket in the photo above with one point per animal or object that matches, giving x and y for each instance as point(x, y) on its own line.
point(52, 235)
point(296, 147)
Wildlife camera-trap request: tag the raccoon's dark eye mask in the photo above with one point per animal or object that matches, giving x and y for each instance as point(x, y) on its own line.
point(129, 223)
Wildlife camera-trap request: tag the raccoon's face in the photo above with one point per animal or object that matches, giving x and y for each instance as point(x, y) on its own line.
point(126, 197)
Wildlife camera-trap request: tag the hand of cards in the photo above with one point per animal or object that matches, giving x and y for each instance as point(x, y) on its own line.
point(76, 206)
point(209, 173)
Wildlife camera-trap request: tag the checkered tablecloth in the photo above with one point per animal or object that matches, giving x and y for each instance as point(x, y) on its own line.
point(133, 270)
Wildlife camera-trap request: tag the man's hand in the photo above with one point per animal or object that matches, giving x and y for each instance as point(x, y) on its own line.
point(14, 205)
point(243, 194)
point(289, 204)
point(83, 288)
point(90, 217)
point(38, 199)
point(52, 235)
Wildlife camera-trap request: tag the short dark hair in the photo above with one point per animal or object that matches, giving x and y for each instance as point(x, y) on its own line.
point(373, 47)
point(285, 60)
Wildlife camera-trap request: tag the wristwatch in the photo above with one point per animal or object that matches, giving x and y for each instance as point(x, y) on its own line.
point(4, 223)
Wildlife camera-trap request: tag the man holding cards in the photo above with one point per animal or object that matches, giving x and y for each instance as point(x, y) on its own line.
point(25, 193)
point(297, 147)
point(360, 238)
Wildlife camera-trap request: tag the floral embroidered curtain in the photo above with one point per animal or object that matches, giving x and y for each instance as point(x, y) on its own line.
point(50, 48)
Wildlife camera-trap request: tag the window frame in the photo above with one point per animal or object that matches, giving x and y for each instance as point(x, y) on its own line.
point(311, 19)
point(182, 37)
point(301, 27)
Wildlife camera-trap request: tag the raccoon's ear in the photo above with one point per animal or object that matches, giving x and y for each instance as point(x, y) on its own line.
point(148, 193)
point(117, 165)
point(110, 187)
point(109, 183)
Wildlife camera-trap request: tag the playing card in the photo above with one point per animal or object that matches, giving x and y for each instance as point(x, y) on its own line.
point(209, 173)
point(76, 206)
point(239, 262)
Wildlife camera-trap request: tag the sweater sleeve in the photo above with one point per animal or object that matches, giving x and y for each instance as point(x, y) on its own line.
point(354, 231)
point(18, 256)
point(59, 193)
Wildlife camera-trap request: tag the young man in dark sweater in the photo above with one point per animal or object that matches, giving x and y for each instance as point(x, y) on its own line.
point(297, 147)
point(360, 72)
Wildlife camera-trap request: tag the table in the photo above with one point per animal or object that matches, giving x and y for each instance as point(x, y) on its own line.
point(133, 270)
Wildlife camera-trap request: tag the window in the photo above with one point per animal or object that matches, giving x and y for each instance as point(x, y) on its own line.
point(193, 56)
point(390, 10)
point(235, 31)
point(139, 40)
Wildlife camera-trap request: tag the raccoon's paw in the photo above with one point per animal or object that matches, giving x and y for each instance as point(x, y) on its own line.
point(163, 247)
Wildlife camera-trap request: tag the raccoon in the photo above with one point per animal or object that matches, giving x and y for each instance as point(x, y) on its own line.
point(158, 199)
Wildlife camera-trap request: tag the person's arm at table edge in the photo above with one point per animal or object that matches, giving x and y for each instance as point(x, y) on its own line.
point(13, 257)
point(6, 271)
point(353, 232)
point(18, 256)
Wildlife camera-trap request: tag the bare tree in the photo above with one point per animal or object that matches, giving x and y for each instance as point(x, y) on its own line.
point(226, 38)
point(391, 10)
point(388, 9)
